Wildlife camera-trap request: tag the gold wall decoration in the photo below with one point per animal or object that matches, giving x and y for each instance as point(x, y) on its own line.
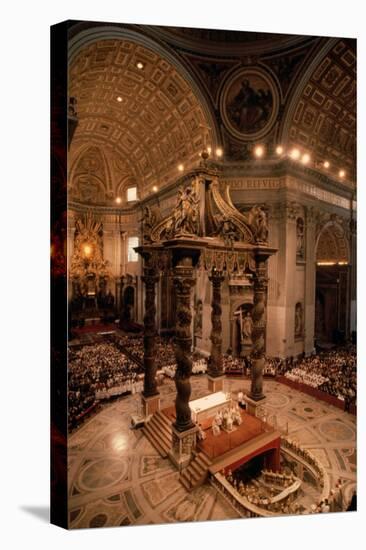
point(88, 266)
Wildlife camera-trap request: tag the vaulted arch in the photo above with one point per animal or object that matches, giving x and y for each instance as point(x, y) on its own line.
point(332, 245)
point(140, 103)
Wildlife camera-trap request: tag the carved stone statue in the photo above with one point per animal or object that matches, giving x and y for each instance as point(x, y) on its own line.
point(227, 230)
point(186, 212)
point(258, 221)
point(300, 237)
point(148, 222)
point(247, 327)
point(298, 320)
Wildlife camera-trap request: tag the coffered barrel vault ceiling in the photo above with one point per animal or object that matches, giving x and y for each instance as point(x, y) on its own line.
point(324, 119)
point(139, 124)
point(146, 120)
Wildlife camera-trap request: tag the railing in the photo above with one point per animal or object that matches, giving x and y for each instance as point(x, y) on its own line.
point(238, 502)
point(310, 462)
point(244, 503)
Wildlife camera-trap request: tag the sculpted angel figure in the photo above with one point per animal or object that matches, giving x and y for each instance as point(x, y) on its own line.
point(186, 212)
point(258, 220)
point(148, 222)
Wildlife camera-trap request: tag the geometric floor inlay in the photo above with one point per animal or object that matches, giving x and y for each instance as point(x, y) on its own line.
point(337, 431)
point(103, 473)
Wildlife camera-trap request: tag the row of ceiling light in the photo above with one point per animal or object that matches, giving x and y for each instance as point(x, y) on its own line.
point(259, 152)
point(295, 154)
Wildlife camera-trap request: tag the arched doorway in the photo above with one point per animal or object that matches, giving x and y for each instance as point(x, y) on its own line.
point(332, 286)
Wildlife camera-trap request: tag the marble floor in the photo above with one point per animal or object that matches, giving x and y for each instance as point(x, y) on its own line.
point(117, 478)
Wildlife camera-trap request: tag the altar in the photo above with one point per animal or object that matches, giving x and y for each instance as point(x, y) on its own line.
point(208, 406)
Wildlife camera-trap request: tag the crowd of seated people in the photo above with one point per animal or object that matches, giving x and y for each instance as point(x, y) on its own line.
point(333, 372)
point(272, 365)
point(242, 365)
point(199, 366)
point(134, 346)
point(95, 372)
point(164, 354)
point(305, 376)
point(234, 365)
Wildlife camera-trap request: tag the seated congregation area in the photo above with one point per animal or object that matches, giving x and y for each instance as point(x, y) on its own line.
point(112, 366)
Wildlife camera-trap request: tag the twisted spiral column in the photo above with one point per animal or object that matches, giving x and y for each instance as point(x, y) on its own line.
point(258, 331)
point(215, 367)
point(183, 281)
point(150, 279)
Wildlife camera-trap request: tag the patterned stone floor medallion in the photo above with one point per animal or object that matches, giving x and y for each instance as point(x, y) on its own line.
point(277, 400)
point(336, 430)
point(103, 473)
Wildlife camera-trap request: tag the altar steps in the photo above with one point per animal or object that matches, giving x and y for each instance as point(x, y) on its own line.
point(196, 473)
point(159, 432)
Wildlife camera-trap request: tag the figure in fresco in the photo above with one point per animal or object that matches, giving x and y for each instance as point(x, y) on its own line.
point(250, 108)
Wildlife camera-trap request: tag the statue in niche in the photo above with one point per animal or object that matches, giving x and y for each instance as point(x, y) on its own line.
point(298, 320)
point(186, 212)
point(259, 223)
point(148, 221)
point(247, 327)
point(300, 237)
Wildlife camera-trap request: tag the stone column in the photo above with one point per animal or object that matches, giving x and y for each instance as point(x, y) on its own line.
point(184, 431)
point(310, 278)
point(282, 285)
point(353, 276)
point(150, 395)
point(258, 333)
point(215, 368)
